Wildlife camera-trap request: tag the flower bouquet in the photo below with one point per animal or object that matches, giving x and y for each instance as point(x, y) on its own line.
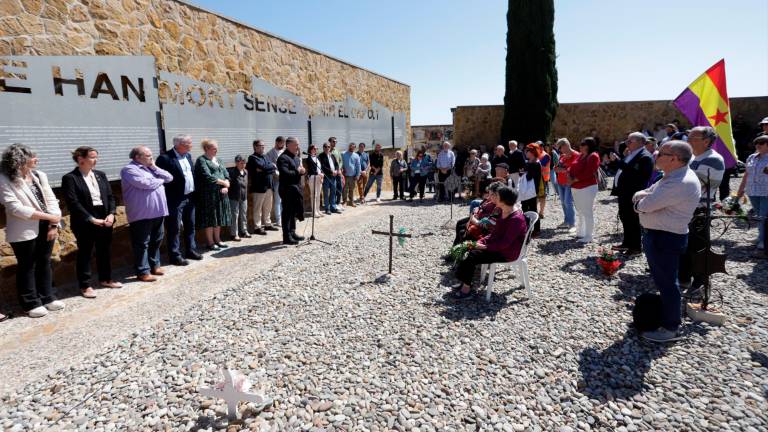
point(460, 251)
point(731, 207)
point(608, 261)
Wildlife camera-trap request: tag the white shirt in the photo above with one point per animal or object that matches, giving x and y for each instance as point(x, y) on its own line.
point(318, 170)
point(93, 188)
point(627, 158)
point(189, 179)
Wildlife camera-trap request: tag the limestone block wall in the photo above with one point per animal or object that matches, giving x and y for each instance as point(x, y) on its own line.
point(479, 126)
point(186, 40)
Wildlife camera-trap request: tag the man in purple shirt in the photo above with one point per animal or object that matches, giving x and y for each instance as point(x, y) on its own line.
point(145, 206)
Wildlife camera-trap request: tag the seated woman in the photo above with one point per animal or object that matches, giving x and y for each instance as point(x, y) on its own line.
point(503, 244)
point(486, 209)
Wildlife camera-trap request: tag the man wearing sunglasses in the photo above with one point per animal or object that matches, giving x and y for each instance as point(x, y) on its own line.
point(665, 209)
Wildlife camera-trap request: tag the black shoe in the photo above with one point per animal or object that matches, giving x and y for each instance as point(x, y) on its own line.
point(271, 228)
point(213, 247)
point(194, 255)
point(222, 245)
point(290, 241)
point(245, 235)
point(179, 262)
point(297, 237)
point(260, 231)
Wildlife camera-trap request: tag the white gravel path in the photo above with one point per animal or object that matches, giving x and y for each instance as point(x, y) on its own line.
point(342, 348)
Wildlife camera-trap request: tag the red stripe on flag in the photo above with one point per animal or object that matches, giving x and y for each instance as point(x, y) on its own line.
point(717, 74)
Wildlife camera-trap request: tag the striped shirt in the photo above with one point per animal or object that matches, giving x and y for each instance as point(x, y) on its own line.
point(757, 176)
point(708, 165)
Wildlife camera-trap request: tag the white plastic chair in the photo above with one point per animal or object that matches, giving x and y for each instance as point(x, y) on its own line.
point(521, 263)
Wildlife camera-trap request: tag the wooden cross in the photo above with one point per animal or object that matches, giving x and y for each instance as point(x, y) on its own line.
point(233, 392)
point(392, 234)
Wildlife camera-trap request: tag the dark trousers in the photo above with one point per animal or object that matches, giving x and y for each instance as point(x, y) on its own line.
point(461, 230)
point(419, 181)
point(466, 268)
point(398, 184)
point(663, 250)
point(146, 237)
point(180, 214)
point(530, 205)
point(630, 221)
point(290, 213)
point(725, 186)
point(33, 271)
point(441, 178)
point(88, 236)
point(697, 242)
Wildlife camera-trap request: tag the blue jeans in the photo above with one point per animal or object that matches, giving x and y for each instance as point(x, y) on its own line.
point(278, 204)
point(180, 214)
point(663, 250)
point(329, 193)
point(339, 189)
point(146, 236)
point(566, 201)
point(378, 179)
point(760, 204)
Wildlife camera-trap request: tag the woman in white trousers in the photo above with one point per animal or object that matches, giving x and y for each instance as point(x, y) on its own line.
point(314, 180)
point(582, 176)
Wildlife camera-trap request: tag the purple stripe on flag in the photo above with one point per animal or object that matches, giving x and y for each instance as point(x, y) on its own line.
point(690, 105)
point(728, 158)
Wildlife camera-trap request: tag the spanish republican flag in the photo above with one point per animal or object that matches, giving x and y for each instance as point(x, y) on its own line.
point(705, 103)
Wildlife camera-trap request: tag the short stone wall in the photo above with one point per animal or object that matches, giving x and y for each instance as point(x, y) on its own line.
point(480, 126)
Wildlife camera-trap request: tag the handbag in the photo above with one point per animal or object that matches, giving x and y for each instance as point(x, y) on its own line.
point(602, 179)
point(526, 189)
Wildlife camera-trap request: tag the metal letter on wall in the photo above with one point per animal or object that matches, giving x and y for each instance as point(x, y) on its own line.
point(279, 113)
point(359, 125)
point(204, 110)
point(330, 120)
point(56, 104)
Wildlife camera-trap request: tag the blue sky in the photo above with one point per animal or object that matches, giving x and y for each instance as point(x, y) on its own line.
point(451, 52)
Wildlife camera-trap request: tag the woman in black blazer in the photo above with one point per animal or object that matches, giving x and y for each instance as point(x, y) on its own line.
point(92, 214)
point(314, 179)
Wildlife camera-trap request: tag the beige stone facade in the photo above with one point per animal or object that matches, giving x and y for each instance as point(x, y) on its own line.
point(479, 126)
point(185, 40)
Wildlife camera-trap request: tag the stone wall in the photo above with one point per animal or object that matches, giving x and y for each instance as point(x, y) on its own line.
point(479, 126)
point(186, 40)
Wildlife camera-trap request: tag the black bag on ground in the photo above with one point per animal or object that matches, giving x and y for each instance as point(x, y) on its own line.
point(646, 315)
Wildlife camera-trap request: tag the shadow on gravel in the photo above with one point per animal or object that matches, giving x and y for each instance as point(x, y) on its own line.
point(476, 307)
point(555, 247)
point(245, 250)
point(630, 286)
point(763, 360)
point(618, 372)
point(585, 265)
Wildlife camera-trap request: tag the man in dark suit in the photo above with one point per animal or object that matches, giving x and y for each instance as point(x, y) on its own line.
point(92, 208)
point(331, 173)
point(180, 196)
point(516, 161)
point(633, 175)
point(291, 193)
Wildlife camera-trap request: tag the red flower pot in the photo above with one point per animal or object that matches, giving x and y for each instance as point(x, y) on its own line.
point(609, 267)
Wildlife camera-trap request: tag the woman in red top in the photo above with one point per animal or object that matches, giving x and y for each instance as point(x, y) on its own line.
point(582, 177)
point(503, 244)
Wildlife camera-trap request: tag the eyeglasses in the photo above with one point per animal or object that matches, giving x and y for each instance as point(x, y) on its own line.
point(761, 143)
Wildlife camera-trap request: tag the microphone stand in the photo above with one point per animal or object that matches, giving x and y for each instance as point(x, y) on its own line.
point(312, 233)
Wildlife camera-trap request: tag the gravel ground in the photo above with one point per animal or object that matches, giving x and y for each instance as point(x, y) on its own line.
point(341, 346)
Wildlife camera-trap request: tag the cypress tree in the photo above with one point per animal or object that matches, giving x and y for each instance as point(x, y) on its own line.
point(530, 101)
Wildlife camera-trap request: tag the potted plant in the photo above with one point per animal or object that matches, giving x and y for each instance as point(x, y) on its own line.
point(608, 261)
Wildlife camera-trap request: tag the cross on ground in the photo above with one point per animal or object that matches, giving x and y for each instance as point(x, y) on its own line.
point(229, 392)
point(392, 234)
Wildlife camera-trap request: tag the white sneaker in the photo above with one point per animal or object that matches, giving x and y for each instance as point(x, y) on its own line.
point(38, 312)
point(563, 225)
point(378, 200)
point(55, 305)
point(572, 230)
point(584, 240)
